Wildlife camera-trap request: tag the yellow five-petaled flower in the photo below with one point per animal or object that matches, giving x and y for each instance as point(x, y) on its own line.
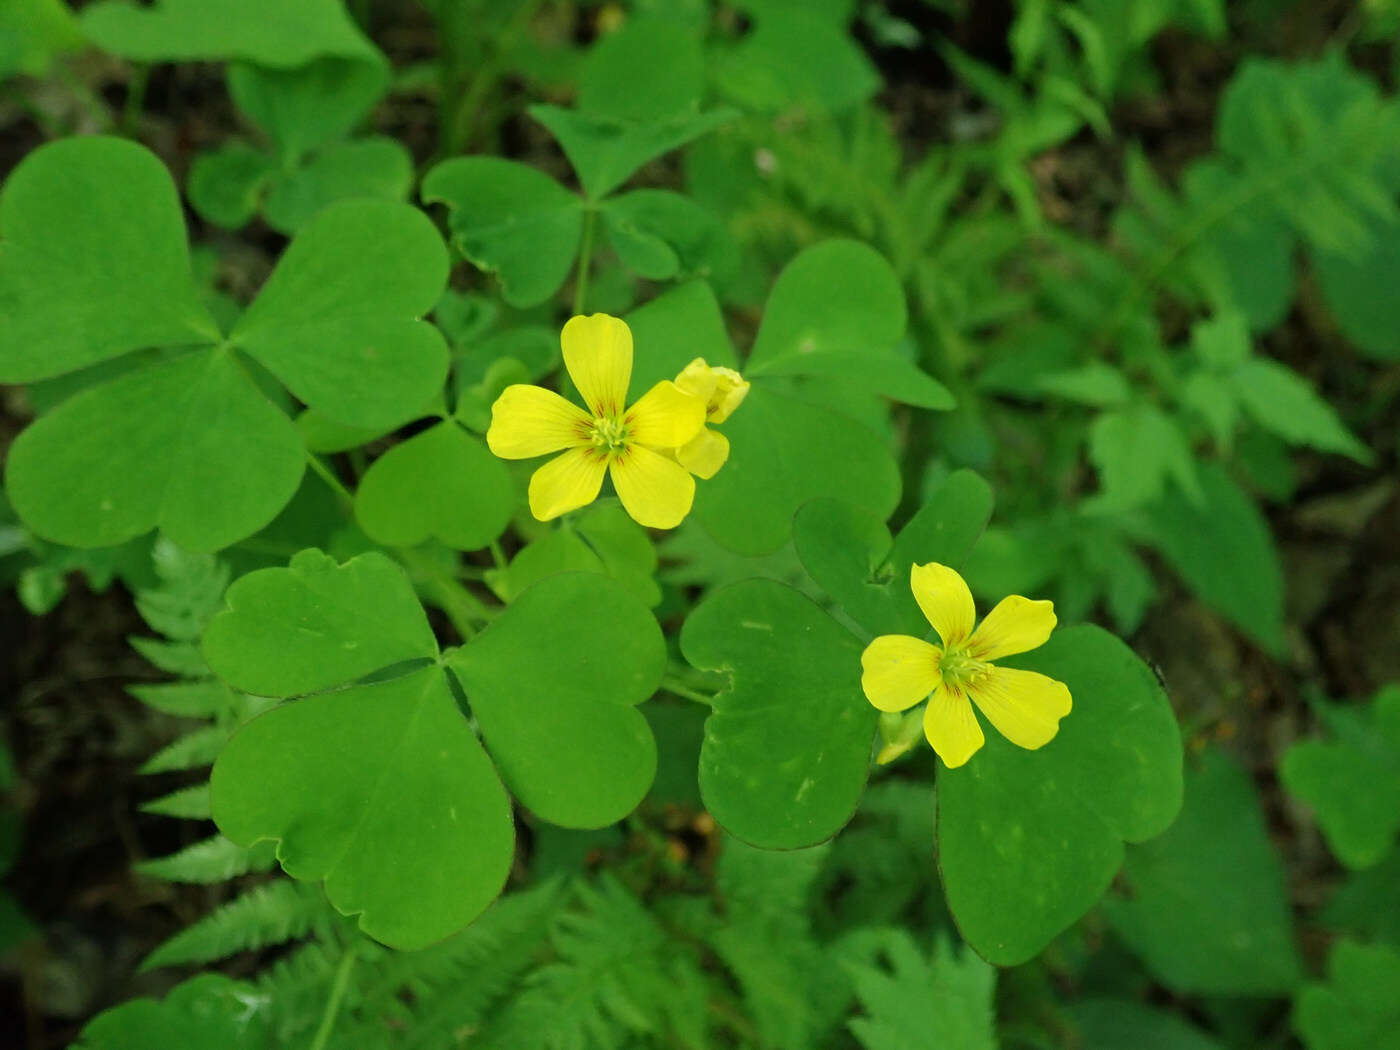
point(899, 670)
point(635, 444)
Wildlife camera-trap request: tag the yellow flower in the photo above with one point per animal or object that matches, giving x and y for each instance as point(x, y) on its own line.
point(899, 671)
point(722, 390)
point(529, 421)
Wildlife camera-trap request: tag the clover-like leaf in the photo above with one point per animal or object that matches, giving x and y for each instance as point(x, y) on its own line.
point(660, 235)
point(554, 683)
point(1029, 840)
point(339, 319)
point(787, 745)
point(441, 484)
point(269, 32)
point(1353, 780)
point(605, 151)
point(371, 167)
point(602, 538)
point(848, 551)
point(1359, 1005)
point(308, 106)
point(95, 262)
point(784, 452)
point(509, 219)
point(226, 185)
point(796, 57)
point(1207, 910)
point(33, 33)
point(209, 1011)
point(672, 330)
point(376, 783)
point(648, 69)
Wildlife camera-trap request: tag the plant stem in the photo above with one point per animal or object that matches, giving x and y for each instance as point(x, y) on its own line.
point(330, 479)
point(585, 258)
point(672, 684)
point(135, 99)
point(338, 986)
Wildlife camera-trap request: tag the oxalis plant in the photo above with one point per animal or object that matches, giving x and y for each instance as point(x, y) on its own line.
point(580, 593)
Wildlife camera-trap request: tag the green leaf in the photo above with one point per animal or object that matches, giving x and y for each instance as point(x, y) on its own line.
point(602, 539)
point(273, 913)
point(1208, 910)
point(349, 621)
point(385, 793)
point(672, 330)
point(1119, 1022)
point(1223, 550)
point(1358, 286)
point(787, 747)
point(606, 152)
point(1283, 403)
point(188, 445)
point(95, 262)
point(1029, 840)
point(649, 68)
point(226, 185)
point(1359, 1006)
point(310, 105)
point(554, 682)
point(211, 860)
point(1352, 782)
point(268, 32)
point(191, 803)
point(1363, 904)
point(945, 1000)
point(848, 552)
point(511, 220)
point(796, 58)
point(338, 320)
point(785, 452)
point(440, 484)
point(1137, 450)
point(33, 33)
point(209, 1011)
point(372, 167)
point(1097, 384)
point(662, 235)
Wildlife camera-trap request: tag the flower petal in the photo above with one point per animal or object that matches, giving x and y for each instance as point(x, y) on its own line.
point(943, 596)
point(1026, 707)
point(529, 421)
point(1016, 625)
point(598, 355)
point(951, 727)
point(898, 671)
point(665, 417)
point(567, 482)
point(656, 491)
point(704, 454)
point(722, 389)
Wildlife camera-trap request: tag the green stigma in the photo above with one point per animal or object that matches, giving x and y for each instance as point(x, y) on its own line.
point(610, 435)
point(960, 669)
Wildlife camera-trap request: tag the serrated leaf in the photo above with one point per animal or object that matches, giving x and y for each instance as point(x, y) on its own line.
point(577, 752)
point(511, 220)
point(1208, 911)
point(273, 913)
point(204, 698)
point(440, 484)
point(215, 859)
point(1352, 781)
point(1029, 840)
point(787, 746)
point(945, 1000)
point(190, 803)
point(194, 749)
point(1137, 451)
point(1284, 403)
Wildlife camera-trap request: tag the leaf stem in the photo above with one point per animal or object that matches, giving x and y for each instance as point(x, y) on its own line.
point(585, 258)
point(135, 99)
point(328, 476)
point(672, 684)
point(338, 986)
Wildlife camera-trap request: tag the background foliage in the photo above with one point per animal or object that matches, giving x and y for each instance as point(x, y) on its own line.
point(1127, 264)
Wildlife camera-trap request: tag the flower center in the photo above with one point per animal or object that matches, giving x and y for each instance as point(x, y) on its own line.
point(961, 670)
point(610, 435)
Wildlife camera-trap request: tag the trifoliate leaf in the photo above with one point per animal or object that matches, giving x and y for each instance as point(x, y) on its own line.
point(672, 330)
point(1353, 780)
point(95, 261)
point(189, 445)
point(850, 555)
point(563, 730)
point(1029, 840)
point(308, 106)
point(1359, 1006)
point(372, 167)
point(441, 484)
point(605, 152)
point(511, 220)
point(649, 68)
point(1207, 909)
point(661, 235)
point(209, 1011)
point(338, 320)
point(226, 185)
point(787, 746)
point(603, 539)
point(796, 58)
point(268, 32)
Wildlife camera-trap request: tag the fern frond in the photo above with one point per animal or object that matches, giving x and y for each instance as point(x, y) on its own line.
point(179, 658)
point(197, 698)
point(191, 803)
point(273, 913)
point(190, 592)
point(214, 859)
point(190, 751)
